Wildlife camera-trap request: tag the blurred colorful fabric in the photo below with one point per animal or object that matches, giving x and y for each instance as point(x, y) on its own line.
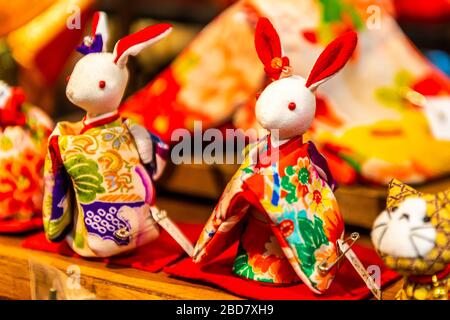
point(423, 10)
point(24, 130)
point(440, 59)
point(14, 14)
point(370, 121)
point(48, 36)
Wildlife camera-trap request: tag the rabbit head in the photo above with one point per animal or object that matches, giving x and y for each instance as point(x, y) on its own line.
point(412, 235)
point(99, 79)
point(287, 105)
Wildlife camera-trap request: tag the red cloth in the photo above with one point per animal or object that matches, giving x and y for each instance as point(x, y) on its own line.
point(51, 59)
point(16, 226)
point(347, 285)
point(423, 10)
point(152, 257)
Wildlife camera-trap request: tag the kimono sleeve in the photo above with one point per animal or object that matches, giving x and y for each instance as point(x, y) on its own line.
point(57, 208)
point(161, 150)
point(153, 152)
point(222, 228)
point(224, 225)
point(321, 165)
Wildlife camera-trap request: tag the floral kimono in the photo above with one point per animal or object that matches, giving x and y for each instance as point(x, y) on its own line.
point(24, 130)
point(281, 205)
point(98, 192)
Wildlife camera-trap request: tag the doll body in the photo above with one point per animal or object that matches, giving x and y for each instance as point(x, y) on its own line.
point(296, 203)
point(99, 172)
point(281, 206)
point(412, 236)
point(24, 130)
point(97, 184)
point(260, 256)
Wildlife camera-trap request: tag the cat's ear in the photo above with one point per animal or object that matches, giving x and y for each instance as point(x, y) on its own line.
point(398, 192)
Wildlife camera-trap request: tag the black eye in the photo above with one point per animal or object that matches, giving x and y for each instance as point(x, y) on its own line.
point(404, 216)
point(426, 219)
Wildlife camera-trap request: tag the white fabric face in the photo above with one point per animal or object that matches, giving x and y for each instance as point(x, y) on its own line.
point(405, 232)
point(84, 90)
point(272, 108)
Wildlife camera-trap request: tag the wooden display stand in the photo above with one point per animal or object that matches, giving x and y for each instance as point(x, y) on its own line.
point(106, 282)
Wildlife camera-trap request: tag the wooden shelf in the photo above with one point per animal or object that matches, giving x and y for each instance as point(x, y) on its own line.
point(106, 282)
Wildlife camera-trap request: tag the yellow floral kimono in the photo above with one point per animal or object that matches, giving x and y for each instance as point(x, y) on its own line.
point(98, 192)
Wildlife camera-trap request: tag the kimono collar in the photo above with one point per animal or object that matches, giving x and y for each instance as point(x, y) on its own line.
point(98, 121)
point(273, 154)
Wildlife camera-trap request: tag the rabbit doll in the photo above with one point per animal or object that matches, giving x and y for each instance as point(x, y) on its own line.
point(280, 203)
point(99, 172)
point(412, 236)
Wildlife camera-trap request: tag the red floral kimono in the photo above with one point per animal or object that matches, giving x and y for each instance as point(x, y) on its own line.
point(281, 206)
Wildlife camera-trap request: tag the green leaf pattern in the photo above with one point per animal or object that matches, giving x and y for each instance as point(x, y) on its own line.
point(302, 175)
point(86, 178)
point(313, 237)
point(241, 266)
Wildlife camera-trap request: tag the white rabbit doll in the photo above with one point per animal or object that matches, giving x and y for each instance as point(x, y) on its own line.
point(280, 203)
point(99, 172)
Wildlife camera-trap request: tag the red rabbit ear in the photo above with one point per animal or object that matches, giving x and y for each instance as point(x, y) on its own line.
point(332, 59)
point(268, 48)
point(134, 43)
point(267, 41)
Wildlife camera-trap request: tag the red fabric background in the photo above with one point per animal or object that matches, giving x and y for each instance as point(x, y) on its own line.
point(423, 10)
point(15, 226)
point(152, 257)
point(159, 254)
point(347, 285)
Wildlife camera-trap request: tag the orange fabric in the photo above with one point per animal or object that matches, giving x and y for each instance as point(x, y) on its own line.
point(18, 12)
